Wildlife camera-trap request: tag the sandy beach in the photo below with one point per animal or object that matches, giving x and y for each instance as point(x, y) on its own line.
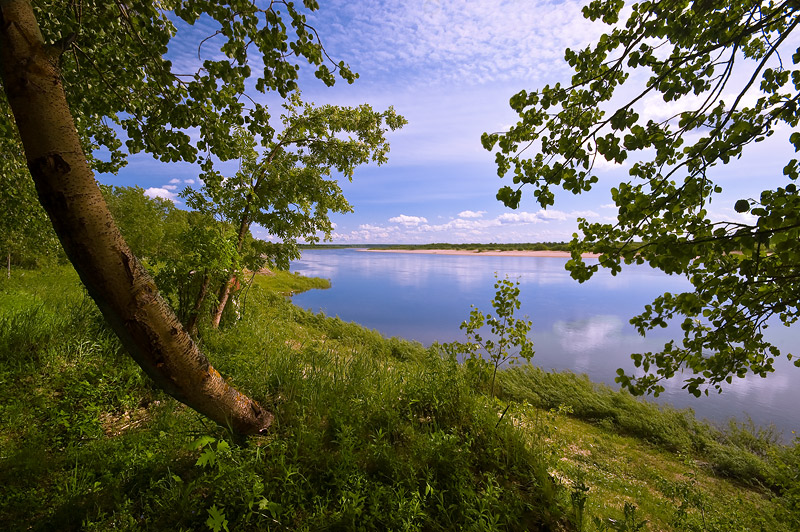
point(558, 254)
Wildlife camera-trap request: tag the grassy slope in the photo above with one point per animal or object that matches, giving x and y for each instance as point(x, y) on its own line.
point(370, 433)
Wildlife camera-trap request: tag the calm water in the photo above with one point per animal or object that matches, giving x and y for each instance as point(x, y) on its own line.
point(580, 327)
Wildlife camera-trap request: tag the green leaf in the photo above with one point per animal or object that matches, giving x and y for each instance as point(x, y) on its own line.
point(742, 206)
point(740, 268)
point(216, 519)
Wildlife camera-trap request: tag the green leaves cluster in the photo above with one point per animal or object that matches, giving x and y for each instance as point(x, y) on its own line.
point(507, 339)
point(117, 77)
point(178, 247)
point(745, 269)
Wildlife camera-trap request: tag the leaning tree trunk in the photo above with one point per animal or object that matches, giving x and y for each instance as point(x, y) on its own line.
point(122, 289)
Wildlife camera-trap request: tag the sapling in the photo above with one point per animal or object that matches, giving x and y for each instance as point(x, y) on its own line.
point(508, 340)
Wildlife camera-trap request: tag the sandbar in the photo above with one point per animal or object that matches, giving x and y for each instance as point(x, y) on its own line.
point(492, 253)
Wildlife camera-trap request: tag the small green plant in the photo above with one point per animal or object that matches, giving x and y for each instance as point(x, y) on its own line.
point(578, 496)
point(508, 339)
point(630, 521)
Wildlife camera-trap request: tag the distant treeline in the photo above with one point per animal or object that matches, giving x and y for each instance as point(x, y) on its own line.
point(535, 246)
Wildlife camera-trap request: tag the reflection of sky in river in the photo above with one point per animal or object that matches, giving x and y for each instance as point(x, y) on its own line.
point(580, 327)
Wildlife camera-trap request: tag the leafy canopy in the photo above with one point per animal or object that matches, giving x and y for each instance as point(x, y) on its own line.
point(117, 76)
point(745, 271)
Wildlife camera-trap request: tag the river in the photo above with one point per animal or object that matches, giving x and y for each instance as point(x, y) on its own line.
point(578, 327)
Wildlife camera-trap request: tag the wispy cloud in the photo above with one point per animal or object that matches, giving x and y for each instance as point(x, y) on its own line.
point(532, 217)
point(463, 41)
point(507, 227)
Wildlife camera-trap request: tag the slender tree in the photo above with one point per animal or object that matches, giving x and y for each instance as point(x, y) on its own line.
point(291, 189)
point(730, 71)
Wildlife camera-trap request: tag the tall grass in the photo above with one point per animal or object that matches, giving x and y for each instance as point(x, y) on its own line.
point(743, 452)
point(370, 433)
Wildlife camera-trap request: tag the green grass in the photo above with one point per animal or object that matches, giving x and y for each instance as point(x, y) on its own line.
point(287, 283)
point(370, 434)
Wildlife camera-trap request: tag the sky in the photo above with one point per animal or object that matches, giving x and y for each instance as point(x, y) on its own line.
point(449, 67)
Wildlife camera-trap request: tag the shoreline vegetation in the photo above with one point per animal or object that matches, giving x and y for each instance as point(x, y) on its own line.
point(487, 253)
point(538, 249)
point(371, 433)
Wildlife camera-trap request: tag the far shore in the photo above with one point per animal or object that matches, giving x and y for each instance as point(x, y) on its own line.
point(495, 253)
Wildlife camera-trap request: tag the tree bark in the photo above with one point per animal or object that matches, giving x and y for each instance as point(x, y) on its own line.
point(222, 300)
point(115, 279)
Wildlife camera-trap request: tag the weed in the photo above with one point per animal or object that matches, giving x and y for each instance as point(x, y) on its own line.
point(630, 522)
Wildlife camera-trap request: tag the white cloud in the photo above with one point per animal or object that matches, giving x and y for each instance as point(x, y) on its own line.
point(730, 215)
point(460, 224)
point(156, 192)
point(602, 165)
point(532, 217)
point(408, 220)
point(465, 41)
point(188, 181)
point(174, 181)
point(170, 187)
point(471, 214)
point(370, 227)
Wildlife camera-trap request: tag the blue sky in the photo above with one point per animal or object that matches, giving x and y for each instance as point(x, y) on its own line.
point(449, 67)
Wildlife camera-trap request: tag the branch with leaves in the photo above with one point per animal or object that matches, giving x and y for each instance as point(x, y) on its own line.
point(744, 271)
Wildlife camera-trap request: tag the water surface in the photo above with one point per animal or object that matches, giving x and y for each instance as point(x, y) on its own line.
point(580, 327)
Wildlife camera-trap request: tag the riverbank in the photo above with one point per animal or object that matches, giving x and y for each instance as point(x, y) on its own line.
point(489, 253)
point(370, 433)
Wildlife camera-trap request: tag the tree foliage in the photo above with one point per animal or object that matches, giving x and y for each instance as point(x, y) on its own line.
point(117, 74)
point(745, 271)
point(151, 226)
point(26, 237)
point(291, 190)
